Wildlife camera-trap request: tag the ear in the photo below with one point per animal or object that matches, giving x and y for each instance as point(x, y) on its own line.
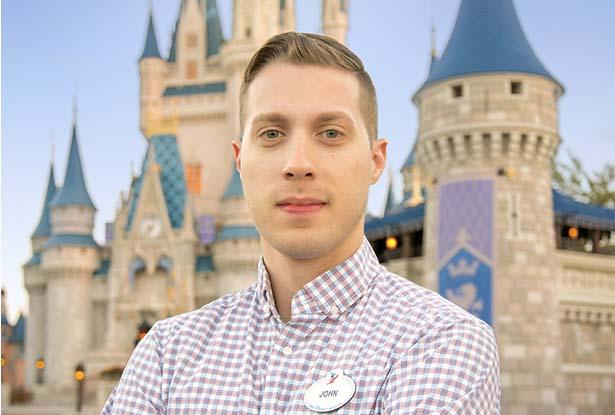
point(237, 154)
point(379, 158)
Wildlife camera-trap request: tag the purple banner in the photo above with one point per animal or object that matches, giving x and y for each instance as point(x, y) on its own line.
point(465, 246)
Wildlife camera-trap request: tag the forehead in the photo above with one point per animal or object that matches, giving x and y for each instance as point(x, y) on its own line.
point(303, 90)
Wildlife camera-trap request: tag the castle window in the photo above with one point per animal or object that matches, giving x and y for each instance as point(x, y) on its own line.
point(248, 32)
point(538, 144)
point(193, 178)
point(191, 40)
point(505, 143)
point(457, 91)
point(516, 88)
point(523, 142)
point(487, 145)
point(451, 146)
point(467, 142)
point(191, 70)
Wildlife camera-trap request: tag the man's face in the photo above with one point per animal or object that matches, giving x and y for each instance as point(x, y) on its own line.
point(305, 160)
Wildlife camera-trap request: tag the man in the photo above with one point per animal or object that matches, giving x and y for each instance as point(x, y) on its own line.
point(325, 327)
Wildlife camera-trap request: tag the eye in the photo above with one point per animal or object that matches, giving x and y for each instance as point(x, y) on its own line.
point(271, 134)
point(331, 134)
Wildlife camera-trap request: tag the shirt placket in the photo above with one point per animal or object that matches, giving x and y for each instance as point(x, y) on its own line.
point(282, 375)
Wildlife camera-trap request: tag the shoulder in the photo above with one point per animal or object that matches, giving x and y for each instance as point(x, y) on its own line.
point(200, 323)
point(445, 358)
point(425, 314)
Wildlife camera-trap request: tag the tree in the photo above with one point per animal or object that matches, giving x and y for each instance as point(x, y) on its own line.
point(596, 188)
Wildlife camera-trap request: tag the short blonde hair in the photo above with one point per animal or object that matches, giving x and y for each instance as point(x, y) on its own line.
point(312, 49)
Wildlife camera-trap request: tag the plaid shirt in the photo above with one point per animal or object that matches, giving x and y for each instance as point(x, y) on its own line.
point(407, 349)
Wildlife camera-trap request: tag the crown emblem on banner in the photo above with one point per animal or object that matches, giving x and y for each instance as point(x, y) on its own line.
point(463, 268)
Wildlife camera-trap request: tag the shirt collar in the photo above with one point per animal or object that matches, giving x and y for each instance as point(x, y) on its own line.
point(332, 292)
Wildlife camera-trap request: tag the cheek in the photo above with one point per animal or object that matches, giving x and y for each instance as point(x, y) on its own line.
point(352, 177)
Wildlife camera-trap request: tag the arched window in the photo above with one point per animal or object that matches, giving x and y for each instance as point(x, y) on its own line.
point(164, 264)
point(136, 266)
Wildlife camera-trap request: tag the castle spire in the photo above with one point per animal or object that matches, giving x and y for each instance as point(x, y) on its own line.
point(434, 53)
point(151, 44)
point(43, 229)
point(74, 191)
point(487, 38)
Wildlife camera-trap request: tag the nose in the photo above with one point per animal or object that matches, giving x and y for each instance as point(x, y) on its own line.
point(299, 164)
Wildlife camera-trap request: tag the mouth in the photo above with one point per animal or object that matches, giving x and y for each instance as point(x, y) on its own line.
point(301, 205)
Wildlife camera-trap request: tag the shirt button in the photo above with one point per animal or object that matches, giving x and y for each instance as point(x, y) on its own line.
point(287, 351)
point(334, 310)
point(266, 310)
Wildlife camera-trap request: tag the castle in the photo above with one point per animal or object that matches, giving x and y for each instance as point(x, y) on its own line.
point(479, 222)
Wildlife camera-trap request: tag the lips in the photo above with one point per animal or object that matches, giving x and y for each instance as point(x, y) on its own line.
point(301, 204)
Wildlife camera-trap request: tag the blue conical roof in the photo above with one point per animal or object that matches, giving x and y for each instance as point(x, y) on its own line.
point(43, 229)
point(234, 187)
point(73, 192)
point(487, 38)
point(151, 44)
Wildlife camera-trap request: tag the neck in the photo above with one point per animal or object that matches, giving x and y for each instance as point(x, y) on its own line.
point(288, 275)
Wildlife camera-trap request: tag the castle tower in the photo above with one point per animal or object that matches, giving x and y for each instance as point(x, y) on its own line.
point(190, 42)
point(335, 19)
point(153, 250)
point(488, 133)
point(69, 257)
point(152, 69)
point(36, 285)
point(258, 20)
point(237, 246)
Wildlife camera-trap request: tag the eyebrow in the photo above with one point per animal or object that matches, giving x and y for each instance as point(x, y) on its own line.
point(280, 118)
point(334, 115)
point(269, 117)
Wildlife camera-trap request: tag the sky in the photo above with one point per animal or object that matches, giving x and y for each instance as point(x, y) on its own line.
point(55, 50)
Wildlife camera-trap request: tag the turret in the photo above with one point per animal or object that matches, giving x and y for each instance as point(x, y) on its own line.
point(152, 70)
point(43, 228)
point(190, 41)
point(335, 19)
point(255, 21)
point(212, 38)
point(488, 133)
point(72, 209)
point(36, 285)
point(68, 261)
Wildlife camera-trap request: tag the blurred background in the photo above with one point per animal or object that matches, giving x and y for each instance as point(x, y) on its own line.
point(93, 66)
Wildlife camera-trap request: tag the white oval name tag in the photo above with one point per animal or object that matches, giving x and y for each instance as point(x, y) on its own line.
point(330, 393)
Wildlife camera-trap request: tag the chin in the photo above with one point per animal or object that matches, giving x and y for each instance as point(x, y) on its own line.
point(303, 243)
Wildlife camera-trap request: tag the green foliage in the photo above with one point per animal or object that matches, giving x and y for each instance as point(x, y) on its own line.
point(596, 188)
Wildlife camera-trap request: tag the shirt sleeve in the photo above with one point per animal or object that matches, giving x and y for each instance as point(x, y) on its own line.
point(139, 390)
point(452, 371)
